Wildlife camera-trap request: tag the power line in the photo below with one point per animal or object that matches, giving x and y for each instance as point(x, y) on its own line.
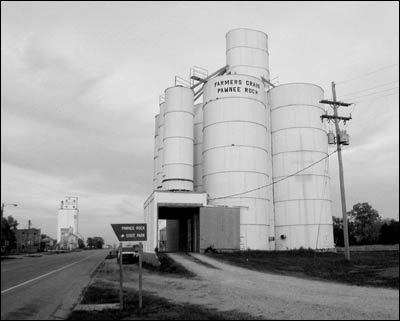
point(374, 93)
point(360, 91)
point(367, 74)
point(358, 101)
point(255, 189)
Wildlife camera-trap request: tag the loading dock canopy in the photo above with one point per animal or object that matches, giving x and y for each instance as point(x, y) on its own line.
point(175, 213)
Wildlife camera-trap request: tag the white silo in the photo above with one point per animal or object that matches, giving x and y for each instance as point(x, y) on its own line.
point(302, 202)
point(68, 216)
point(270, 189)
point(160, 146)
point(198, 148)
point(235, 154)
point(247, 52)
point(156, 144)
point(178, 139)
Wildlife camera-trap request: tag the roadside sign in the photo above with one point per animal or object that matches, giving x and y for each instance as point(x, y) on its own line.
point(130, 232)
point(127, 233)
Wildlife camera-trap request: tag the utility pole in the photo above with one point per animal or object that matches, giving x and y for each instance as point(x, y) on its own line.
point(334, 104)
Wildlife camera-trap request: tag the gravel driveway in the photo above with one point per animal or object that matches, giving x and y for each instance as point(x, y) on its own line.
point(271, 296)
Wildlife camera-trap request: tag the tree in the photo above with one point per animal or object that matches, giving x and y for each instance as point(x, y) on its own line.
point(338, 235)
point(8, 227)
point(338, 231)
point(89, 242)
point(96, 242)
point(367, 223)
point(81, 243)
point(389, 232)
point(99, 242)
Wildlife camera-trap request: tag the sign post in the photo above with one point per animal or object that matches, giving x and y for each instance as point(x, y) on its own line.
point(128, 233)
point(121, 280)
point(140, 274)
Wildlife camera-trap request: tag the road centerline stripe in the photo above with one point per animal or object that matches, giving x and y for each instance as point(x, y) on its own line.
point(44, 275)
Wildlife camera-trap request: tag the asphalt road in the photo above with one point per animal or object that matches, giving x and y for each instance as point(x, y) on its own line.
point(45, 287)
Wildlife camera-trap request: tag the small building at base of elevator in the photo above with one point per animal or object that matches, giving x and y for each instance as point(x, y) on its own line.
point(182, 222)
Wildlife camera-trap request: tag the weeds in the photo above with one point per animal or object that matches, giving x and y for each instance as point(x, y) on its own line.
point(377, 268)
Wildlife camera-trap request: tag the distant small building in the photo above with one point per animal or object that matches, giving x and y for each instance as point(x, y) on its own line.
point(47, 243)
point(28, 240)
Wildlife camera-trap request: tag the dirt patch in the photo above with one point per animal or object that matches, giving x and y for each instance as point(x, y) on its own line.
point(194, 259)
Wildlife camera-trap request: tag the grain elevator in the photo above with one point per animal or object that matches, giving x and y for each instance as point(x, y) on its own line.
point(225, 169)
point(67, 224)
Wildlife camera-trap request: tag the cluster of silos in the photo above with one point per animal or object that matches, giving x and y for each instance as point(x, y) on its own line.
point(242, 145)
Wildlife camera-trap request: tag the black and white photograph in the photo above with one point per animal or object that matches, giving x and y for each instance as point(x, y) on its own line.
point(200, 160)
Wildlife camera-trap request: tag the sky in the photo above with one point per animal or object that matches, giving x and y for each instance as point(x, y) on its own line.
point(80, 86)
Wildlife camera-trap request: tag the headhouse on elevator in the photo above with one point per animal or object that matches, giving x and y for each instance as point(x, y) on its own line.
point(224, 168)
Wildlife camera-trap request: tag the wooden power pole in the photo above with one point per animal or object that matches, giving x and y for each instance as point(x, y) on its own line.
point(334, 104)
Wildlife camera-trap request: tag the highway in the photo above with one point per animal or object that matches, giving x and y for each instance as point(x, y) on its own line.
point(45, 287)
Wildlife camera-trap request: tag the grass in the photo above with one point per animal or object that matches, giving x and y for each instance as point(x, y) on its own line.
point(154, 307)
point(373, 268)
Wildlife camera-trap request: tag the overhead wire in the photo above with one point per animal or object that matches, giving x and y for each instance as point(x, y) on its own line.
point(374, 93)
point(367, 74)
point(375, 98)
point(366, 89)
point(286, 177)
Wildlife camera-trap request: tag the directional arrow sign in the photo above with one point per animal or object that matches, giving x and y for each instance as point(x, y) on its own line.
point(130, 232)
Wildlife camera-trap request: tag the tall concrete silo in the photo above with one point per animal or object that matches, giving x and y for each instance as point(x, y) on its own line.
point(160, 155)
point(302, 202)
point(178, 139)
point(247, 52)
point(234, 152)
point(198, 148)
point(156, 144)
point(270, 189)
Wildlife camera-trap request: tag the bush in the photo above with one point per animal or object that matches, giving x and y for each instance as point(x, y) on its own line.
point(210, 249)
